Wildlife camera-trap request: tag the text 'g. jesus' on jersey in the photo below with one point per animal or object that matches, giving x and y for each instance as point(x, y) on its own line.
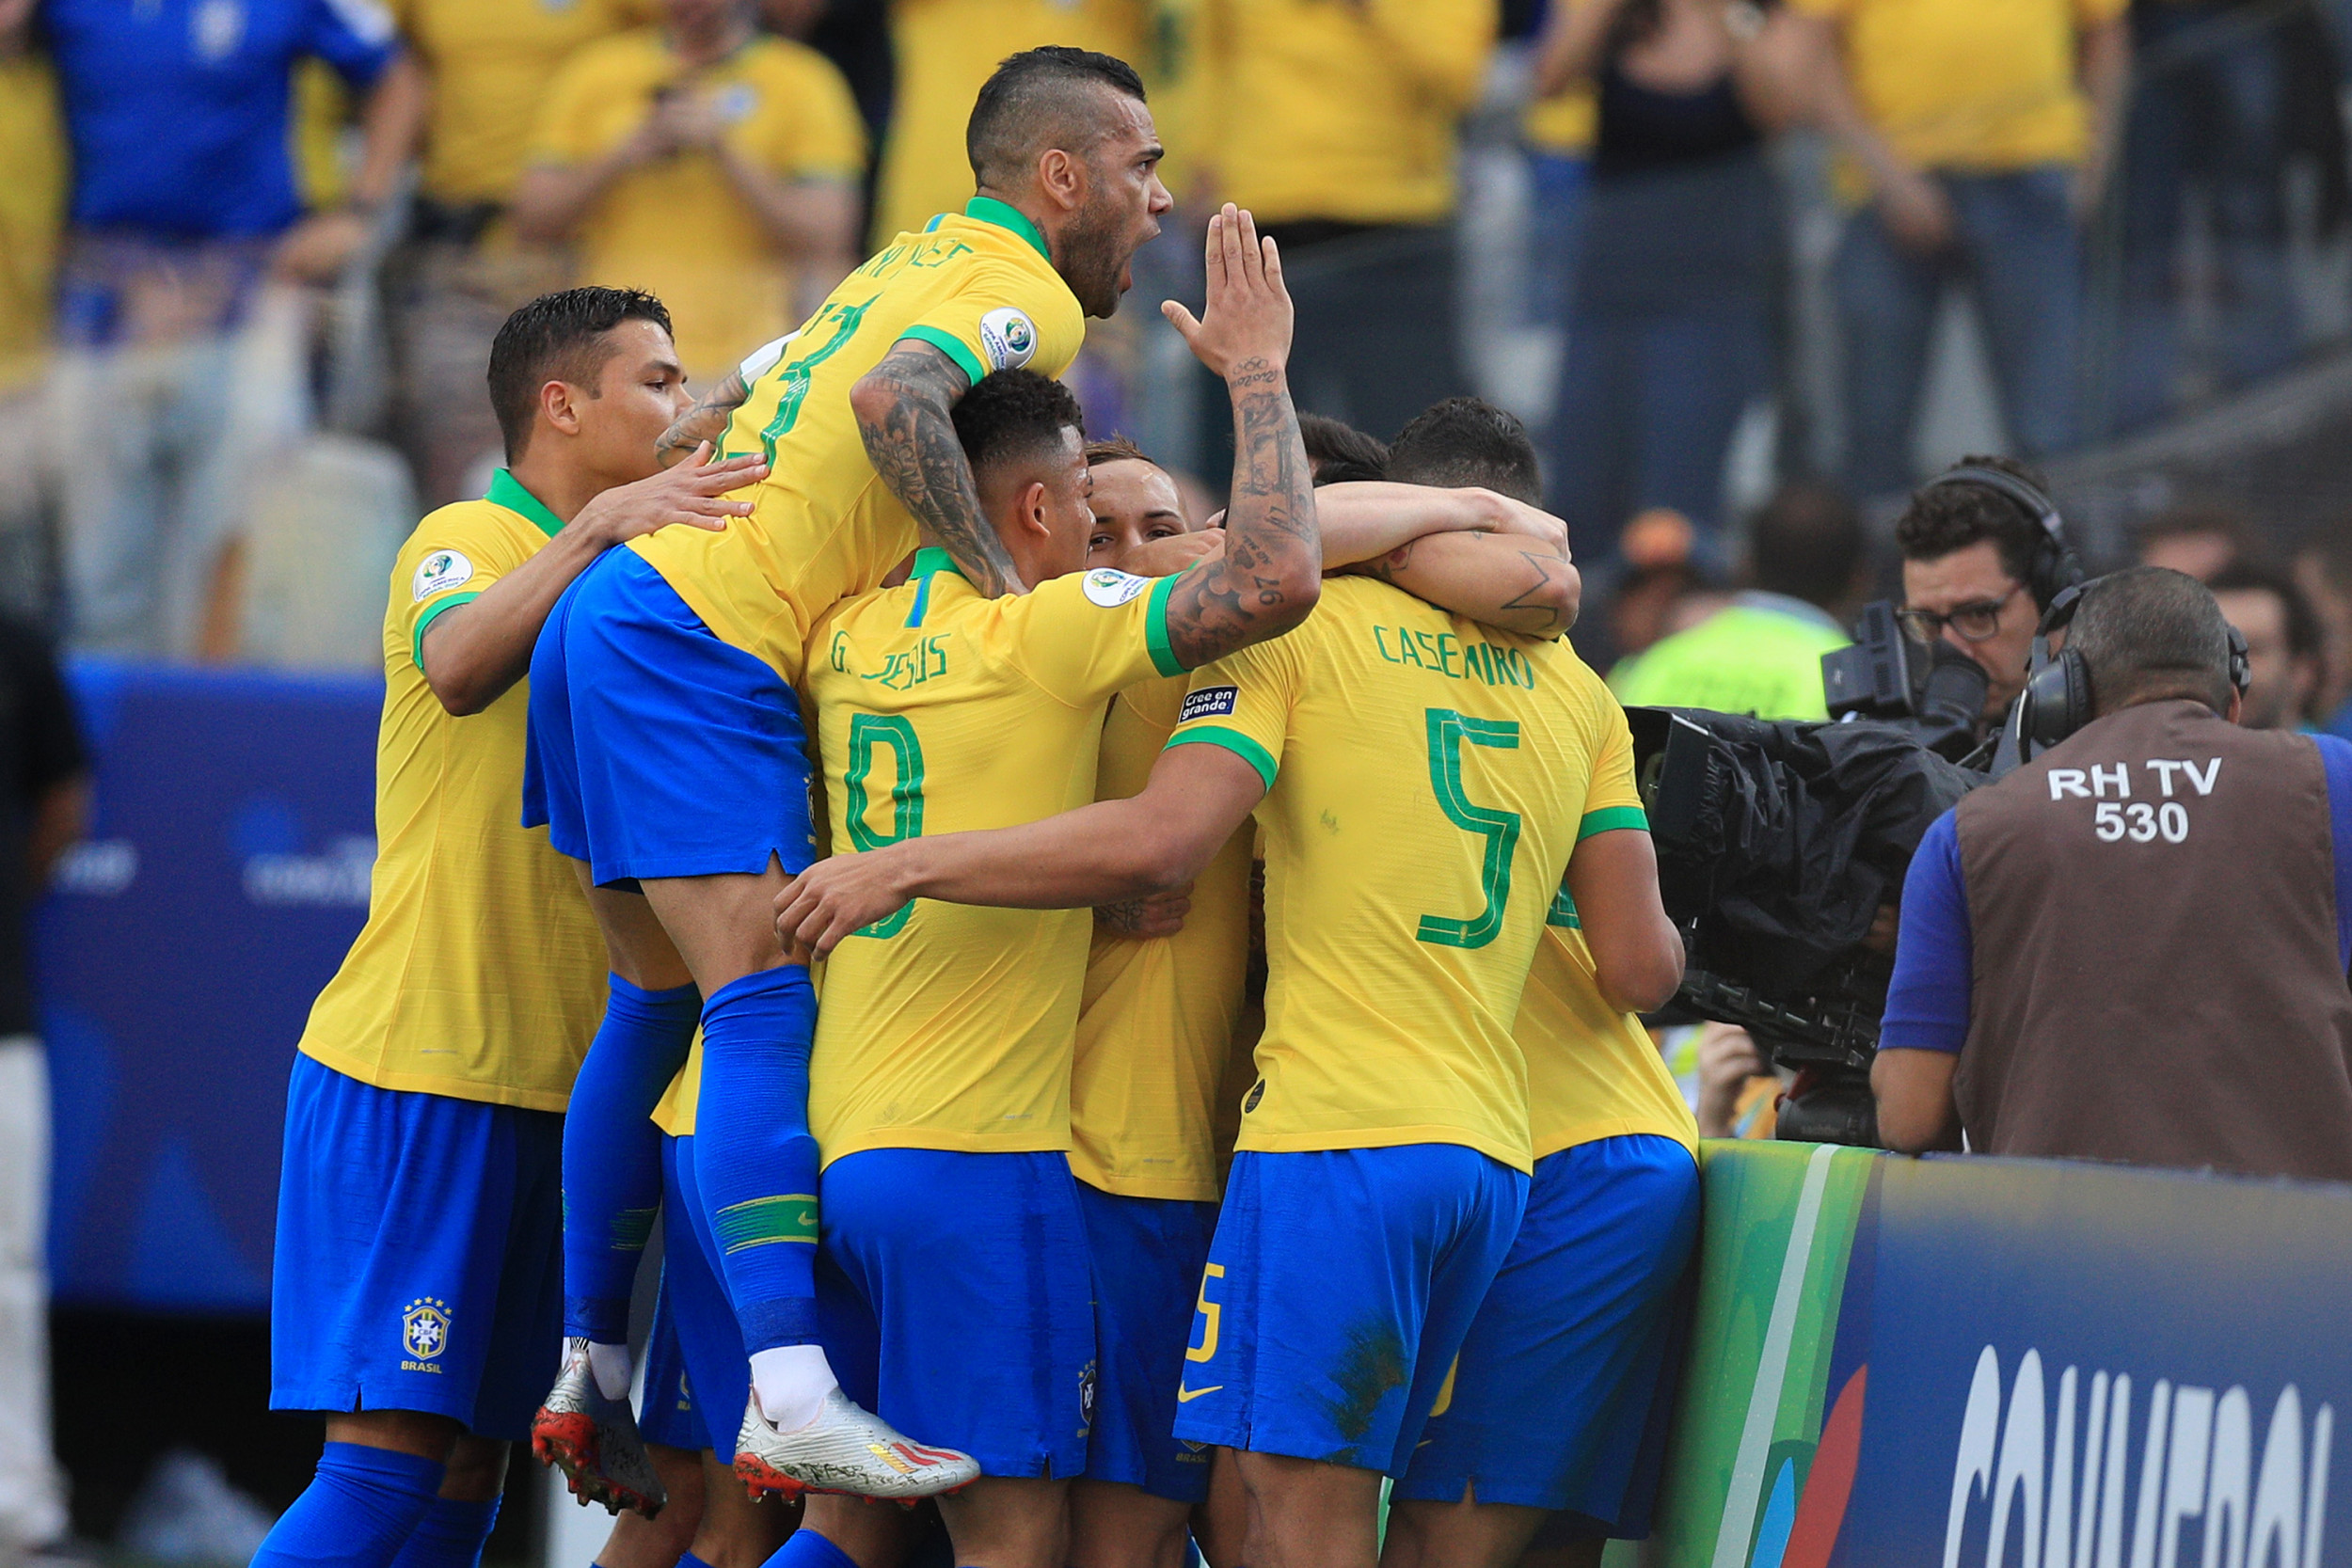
point(1425, 778)
point(979, 288)
point(946, 1026)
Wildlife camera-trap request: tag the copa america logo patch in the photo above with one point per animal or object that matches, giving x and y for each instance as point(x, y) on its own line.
point(1210, 702)
point(1110, 587)
point(1008, 336)
point(424, 1333)
point(438, 573)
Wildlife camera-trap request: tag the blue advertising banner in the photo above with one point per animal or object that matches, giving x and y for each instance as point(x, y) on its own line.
point(225, 875)
point(2073, 1366)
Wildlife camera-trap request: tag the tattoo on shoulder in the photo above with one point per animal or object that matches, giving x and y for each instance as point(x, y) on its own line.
point(913, 448)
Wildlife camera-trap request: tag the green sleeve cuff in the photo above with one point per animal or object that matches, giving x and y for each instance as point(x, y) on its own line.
point(416, 640)
point(1164, 657)
point(953, 347)
point(1233, 741)
point(1611, 818)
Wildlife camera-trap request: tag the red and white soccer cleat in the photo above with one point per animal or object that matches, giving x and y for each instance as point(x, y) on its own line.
point(595, 1442)
point(846, 1449)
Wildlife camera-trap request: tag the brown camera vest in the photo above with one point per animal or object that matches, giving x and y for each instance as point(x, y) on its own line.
point(2156, 976)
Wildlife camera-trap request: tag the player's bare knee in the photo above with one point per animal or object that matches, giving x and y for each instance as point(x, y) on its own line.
point(411, 1432)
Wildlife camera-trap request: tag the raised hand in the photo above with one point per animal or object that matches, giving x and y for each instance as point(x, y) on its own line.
point(1247, 321)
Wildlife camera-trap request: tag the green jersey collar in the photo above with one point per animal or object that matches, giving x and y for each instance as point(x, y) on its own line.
point(988, 209)
point(930, 559)
point(507, 491)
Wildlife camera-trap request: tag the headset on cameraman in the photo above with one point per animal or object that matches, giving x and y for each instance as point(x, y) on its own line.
point(2057, 699)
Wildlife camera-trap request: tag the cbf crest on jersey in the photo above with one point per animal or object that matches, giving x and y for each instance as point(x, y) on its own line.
point(440, 572)
point(1010, 337)
point(423, 1334)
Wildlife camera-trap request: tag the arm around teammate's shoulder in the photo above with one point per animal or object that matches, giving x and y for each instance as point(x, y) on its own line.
point(904, 408)
point(1271, 572)
point(1637, 952)
point(472, 654)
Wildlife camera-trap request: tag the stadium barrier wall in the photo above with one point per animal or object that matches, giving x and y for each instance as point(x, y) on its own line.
point(1966, 1361)
point(1892, 1361)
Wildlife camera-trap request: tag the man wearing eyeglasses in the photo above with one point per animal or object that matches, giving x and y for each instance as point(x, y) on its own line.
point(1968, 568)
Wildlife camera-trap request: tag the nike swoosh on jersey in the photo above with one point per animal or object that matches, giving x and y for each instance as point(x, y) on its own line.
point(1185, 1396)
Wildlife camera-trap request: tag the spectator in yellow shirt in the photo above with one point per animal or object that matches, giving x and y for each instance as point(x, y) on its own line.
point(945, 49)
point(708, 163)
point(1337, 126)
point(32, 214)
point(1982, 131)
point(460, 273)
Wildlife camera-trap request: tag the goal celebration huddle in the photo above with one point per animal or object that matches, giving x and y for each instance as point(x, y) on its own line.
point(1127, 1026)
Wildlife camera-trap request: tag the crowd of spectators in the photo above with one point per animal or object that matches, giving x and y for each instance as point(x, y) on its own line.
point(232, 225)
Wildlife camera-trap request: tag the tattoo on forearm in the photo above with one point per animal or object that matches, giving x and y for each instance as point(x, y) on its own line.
point(915, 449)
point(1540, 615)
point(1125, 917)
point(706, 421)
point(1269, 525)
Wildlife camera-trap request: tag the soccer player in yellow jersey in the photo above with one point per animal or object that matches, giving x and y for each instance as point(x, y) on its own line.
point(1420, 782)
point(943, 1051)
point(1559, 1397)
point(415, 1290)
point(667, 752)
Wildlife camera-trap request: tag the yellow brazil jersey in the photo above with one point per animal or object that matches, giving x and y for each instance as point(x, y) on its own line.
point(944, 49)
point(1979, 85)
point(32, 211)
point(787, 113)
point(478, 974)
point(946, 1026)
point(1156, 1023)
point(1593, 1071)
point(1426, 777)
point(1339, 109)
point(978, 287)
point(491, 62)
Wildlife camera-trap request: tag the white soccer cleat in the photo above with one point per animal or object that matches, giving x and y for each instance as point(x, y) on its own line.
point(846, 1449)
point(595, 1442)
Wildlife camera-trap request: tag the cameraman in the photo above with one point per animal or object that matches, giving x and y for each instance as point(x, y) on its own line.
point(1981, 561)
point(2133, 948)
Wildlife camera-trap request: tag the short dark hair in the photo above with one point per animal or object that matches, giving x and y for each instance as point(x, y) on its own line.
point(558, 337)
point(1807, 542)
point(2304, 638)
point(1029, 102)
point(1340, 454)
point(1115, 449)
point(1947, 518)
point(2147, 632)
point(1010, 416)
point(1468, 442)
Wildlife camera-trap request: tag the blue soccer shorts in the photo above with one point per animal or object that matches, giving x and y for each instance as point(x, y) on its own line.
point(1147, 1254)
point(704, 1379)
point(655, 749)
point(419, 1262)
point(1337, 1291)
point(1567, 1376)
point(956, 1302)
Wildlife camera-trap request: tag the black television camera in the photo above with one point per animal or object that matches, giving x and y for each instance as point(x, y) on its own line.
point(1781, 852)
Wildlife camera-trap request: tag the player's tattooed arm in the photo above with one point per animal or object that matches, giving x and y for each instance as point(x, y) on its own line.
point(706, 421)
point(1271, 572)
point(1504, 580)
point(902, 406)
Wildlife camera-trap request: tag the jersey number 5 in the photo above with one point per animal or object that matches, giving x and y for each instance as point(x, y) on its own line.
point(1449, 732)
point(895, 733)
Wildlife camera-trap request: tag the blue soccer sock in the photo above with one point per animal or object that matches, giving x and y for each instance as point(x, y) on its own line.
point(805, 1548)
point(451, 1535)
point(613, 1154)
point(753, 1159)
point(357, 1512)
